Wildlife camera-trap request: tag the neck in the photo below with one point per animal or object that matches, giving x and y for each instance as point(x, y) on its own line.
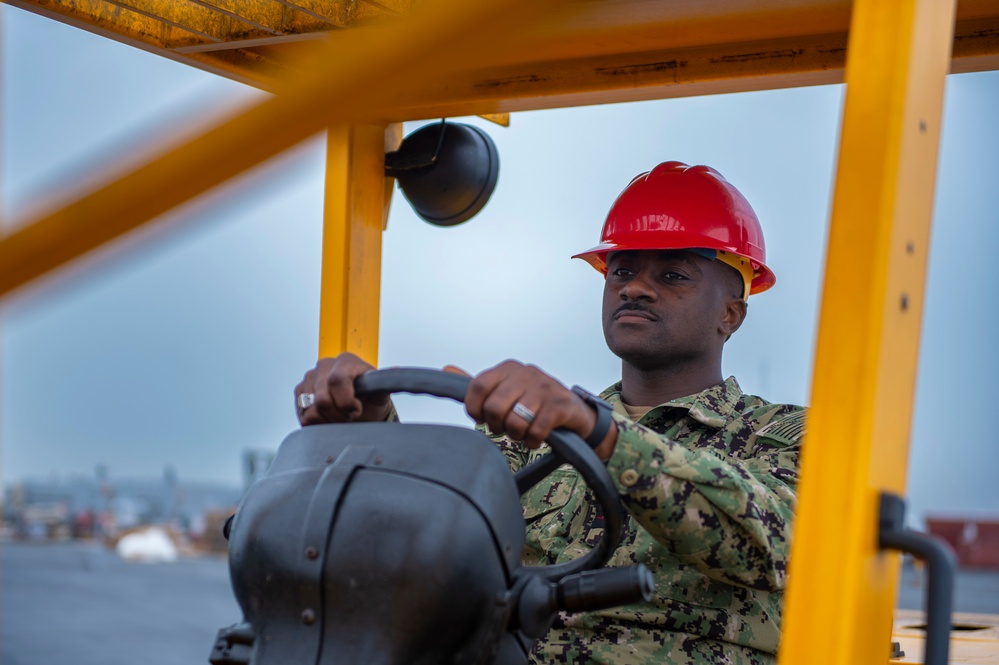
point(640, 387)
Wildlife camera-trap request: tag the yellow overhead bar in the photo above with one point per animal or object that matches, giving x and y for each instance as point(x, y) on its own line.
point(587, 52)
point(841, 588)
point(354, 213)
point(330, 90)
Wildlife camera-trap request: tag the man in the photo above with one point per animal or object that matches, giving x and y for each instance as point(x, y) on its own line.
point(708, 474)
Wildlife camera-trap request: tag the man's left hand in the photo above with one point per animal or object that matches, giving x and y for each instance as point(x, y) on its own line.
point(526, 404)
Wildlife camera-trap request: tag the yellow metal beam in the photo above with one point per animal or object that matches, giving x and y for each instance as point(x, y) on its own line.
point(393, 139)
point(628, 77)
point(352, 241)
point(504, 83)
point(976, 45)
point(841, 589)
point(327, 93)
point(783, 62)
point(590, 52)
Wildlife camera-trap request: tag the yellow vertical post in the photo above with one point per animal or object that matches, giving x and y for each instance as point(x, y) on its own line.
point(354, 212)
point(841, 589)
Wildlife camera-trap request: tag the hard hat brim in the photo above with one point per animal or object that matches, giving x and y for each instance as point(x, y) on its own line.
point(763, 278)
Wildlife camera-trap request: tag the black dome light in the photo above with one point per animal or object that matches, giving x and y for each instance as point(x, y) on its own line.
point(447, 171)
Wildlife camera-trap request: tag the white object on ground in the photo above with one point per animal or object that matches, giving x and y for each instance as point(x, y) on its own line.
point(151, 545)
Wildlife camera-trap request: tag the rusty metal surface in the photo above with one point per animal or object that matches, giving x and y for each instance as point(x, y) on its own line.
point(226, 37)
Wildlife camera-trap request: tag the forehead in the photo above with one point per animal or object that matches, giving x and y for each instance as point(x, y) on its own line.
point(657, 256)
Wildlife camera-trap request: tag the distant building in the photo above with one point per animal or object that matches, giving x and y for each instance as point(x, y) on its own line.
point(65, 507)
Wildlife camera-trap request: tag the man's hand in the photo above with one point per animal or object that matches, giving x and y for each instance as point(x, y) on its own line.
point(496, 396)
point(331, 383)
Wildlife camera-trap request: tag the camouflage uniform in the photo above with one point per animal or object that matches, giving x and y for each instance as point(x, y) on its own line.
point(709, 483)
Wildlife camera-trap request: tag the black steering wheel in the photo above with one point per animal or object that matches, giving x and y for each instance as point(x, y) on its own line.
point(567, 447)
point(324, 534)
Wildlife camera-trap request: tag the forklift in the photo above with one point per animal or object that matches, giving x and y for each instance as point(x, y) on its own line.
point(359, 69)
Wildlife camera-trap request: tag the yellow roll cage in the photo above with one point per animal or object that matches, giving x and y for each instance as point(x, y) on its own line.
point(357, 68)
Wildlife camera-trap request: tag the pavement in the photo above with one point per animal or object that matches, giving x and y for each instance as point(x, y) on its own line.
point(79, 604)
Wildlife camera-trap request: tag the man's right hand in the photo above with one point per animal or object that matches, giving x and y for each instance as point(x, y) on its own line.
point(331, 383)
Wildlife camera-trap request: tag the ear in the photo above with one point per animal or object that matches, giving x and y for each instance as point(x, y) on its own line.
point(733, 316)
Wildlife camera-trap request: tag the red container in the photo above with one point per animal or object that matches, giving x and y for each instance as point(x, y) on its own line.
point(975, 541)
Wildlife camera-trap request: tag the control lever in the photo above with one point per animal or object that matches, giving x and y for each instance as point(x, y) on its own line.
point(587, 591)
point(607, 587)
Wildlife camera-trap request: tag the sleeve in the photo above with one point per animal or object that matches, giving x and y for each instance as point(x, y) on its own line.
point(515, 452)
point(730, 519)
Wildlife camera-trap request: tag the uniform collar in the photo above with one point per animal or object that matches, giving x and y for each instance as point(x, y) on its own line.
point(711, 406)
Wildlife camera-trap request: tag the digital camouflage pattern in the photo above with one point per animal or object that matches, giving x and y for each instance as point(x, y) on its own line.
point(709, 482)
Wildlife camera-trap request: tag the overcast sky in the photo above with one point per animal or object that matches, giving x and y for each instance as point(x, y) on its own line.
point(185, 351)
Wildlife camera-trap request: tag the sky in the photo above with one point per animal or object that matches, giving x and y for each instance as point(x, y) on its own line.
point(185, 349)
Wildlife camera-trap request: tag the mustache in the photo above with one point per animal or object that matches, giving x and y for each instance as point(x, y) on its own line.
point(634, 307)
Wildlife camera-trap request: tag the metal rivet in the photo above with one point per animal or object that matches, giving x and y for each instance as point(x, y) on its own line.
point(308, 617)
point(922, 125)
point(904, 302)
point(330, 459)
point(311, 552)
point(910, 248)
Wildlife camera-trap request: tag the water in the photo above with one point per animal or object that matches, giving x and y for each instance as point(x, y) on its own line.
point(78, 604)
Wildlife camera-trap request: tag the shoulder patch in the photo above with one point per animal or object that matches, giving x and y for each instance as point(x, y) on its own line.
point(787, 429)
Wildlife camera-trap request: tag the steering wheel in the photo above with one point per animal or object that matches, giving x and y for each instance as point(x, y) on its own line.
point(567, 447)
point(363, 523)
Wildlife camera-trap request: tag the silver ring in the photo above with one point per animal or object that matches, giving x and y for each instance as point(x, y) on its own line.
point(305, 400)
point(523, 412)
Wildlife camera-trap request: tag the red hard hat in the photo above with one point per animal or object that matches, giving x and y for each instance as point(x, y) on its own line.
point(675, 206)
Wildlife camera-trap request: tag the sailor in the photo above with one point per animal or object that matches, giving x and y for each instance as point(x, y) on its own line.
point(707, 473)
